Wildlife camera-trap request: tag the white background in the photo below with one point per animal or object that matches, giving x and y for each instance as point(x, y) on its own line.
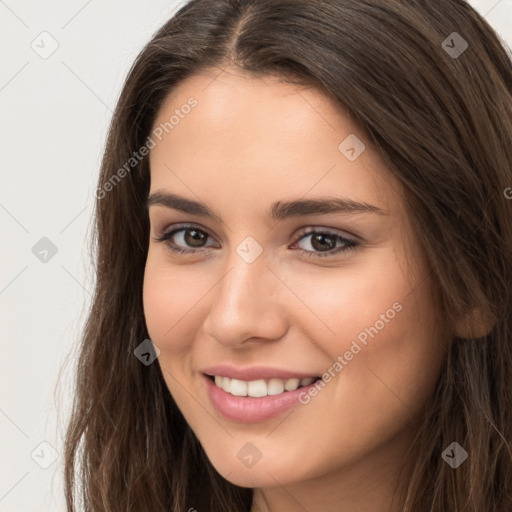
point(55, 114)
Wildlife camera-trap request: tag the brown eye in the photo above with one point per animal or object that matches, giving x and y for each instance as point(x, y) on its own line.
point(194, 237)
point(184, 239)
point(324, 244)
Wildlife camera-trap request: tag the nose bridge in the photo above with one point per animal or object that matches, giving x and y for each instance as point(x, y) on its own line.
point(241, 291)
point(243, 303)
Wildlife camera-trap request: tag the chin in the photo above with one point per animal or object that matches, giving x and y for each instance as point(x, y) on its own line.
point(264, 473)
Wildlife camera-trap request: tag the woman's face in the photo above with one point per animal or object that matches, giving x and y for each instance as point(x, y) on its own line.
point(281, 285)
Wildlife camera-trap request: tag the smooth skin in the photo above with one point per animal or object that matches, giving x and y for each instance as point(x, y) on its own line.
point(250, 142)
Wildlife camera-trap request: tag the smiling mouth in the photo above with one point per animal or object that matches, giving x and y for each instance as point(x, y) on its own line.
point(261, 387)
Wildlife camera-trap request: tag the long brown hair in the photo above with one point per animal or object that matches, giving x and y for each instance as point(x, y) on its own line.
point(442, 122)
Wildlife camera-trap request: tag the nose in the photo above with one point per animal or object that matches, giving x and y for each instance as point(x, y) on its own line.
point(246, 305)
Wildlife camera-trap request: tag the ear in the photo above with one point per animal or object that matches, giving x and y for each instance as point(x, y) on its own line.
point(476, 324)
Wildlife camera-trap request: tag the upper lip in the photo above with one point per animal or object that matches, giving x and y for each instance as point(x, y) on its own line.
point(250, 373)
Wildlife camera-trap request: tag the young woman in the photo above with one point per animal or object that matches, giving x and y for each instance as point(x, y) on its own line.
point(304, 266)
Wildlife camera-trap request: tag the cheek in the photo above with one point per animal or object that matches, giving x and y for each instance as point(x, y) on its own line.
point(359, 301)
point(171, 298)
point(382, 333)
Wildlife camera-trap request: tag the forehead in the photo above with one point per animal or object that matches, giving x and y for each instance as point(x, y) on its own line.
point(256, 138)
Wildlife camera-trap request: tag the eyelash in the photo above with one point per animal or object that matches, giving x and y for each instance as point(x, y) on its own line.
point(350, 245)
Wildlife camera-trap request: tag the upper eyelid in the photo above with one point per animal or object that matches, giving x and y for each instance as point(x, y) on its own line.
point(175, 228)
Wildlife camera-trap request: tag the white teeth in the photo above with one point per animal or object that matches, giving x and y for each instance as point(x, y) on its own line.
point(226, 384)
point(261, 387)
point(257, 388)
point(238, 387)
point(275, 386)
point(292, 384)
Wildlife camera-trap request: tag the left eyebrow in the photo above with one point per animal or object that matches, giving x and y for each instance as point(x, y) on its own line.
point(278, 211)
point(282, 210)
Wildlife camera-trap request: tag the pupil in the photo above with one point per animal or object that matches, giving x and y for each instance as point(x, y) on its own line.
point(196, 236)
point(320, 237)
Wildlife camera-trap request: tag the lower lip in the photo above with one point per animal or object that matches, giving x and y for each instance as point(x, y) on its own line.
point(248, 409)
